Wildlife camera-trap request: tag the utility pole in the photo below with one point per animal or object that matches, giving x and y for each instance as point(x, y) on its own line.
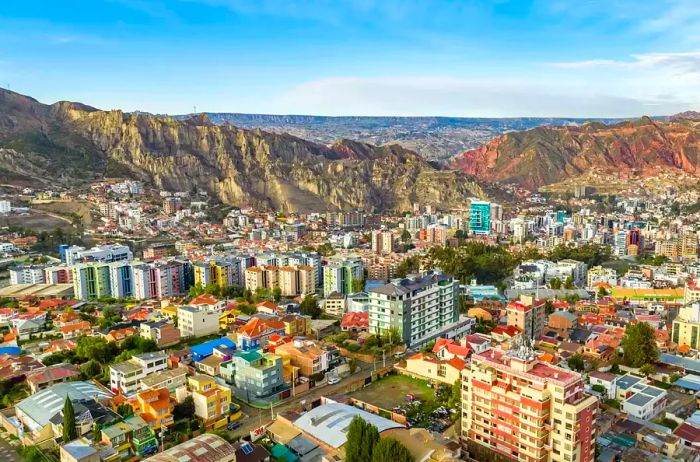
point(162, 438)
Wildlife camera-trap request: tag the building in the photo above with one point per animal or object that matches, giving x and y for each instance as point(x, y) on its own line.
point(562, 320)
point(643, 401)
point(516, 407)
point(254, 375)
point(430, 367)
point(79, 450)
point(51, 375)
point(340, 273)
point(29, 274)
point(686, 327)
point(382, 241)
point(163, 333)
point(172, 379)
point(528, 316)
point(255, 333)
point(598, 274)
point(132, 439)
point(480, 217)
point(197, 321)
point(91, 280)
point(355, 322)
point(211, 400)
point(203, 448)
point(418, 308)
point(154, 406)
point(103, 254)
point(124, 377)
point(307, 355)
point(291, 280)
point(334, 304)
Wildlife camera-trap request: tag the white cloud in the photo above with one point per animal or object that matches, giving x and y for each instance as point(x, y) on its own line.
point(688, 62)
point(477, 98)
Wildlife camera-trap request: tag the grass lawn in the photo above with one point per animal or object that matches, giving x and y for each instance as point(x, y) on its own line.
point(391, 390)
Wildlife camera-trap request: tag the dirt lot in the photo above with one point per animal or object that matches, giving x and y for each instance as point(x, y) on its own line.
point(391, 390)
point(36, 221)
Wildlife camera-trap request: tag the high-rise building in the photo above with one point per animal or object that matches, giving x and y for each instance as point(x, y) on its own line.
point(171, 205)
point(28, 274)
point(340, 273)
point(291, 280)
point(382, 241)
point(91, 281)
point(686, 327)
point(121, 279)
point(527, 315)
point(100, 253)
point(420, 308)
point(480, 217)
point(516, 407)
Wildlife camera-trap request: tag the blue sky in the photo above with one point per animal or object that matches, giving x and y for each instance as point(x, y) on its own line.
point(586, 58)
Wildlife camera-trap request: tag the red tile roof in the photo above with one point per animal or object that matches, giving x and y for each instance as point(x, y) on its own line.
point(355, 319)
point(510, 331)
point(452, 347)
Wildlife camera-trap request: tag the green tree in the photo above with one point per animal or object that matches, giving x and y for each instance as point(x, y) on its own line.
point(69, 431)
point(390, 449)
point(576, 363)
point(639, 345)
point(358, 285)
point(407, 266)
point(555, 283)
point(97, 348)
point(647, 370)
point(125, 410)
point(309, 307)
point(602, 292)
point(460, 234)
point(352, 365)
point(184, 410)
point(362, 437)
point(276, 294)
point(392, 336)
point(405, 235)
point(569, 283)
point(91, 369)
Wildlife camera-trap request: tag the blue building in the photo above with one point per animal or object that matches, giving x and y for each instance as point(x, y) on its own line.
point(480, 217)
point(206, 349)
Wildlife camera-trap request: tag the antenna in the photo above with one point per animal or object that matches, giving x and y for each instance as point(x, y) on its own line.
point(195, 109)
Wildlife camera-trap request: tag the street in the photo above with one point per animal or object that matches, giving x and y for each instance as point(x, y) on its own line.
point(257, 417)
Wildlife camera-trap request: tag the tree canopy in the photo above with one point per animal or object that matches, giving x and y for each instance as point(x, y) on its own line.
point(390, 449)
point(639, 345)
point(69, 431)
point(362, 438)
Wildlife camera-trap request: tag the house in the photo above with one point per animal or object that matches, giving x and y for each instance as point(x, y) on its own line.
point(154, 406)
point(276, 340)
point(206, 349)
point(255, 333)
point(172, 379)
point(504, 334)
point(447, 349)
point(51, 375)
point(211, 400)
point(124, 377)
point(268, 307)
point(296, 325)
point(478, 342)
point(164, 333)
point(480, 313)
point(64, 318)
point(250, 452)
point(605, 380)
point(227, 319)
point(119, 335)
point(254, 375)
point(211, 364)
point(60, 345)
point(208, 301)
point(355, 321)
point(334, 304)
point(197, 321)
point(7, 315)
point(131, 439)
point(75, 330)
point(644, 401)
point(430, 367)
point(602, 346)
point(562, 320)
point(689, 435)
point(79, 450)
point(307, 355)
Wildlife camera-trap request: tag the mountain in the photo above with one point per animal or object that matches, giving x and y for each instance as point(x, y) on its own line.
point(548, 155)
point(71, 142)
point(435, 138)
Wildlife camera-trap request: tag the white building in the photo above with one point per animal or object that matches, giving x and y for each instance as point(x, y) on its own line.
point(124, 377)
point(5, 206)
point(197, 321)
point(104, 253)
point(32, 274)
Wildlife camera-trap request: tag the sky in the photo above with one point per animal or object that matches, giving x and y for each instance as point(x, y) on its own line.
point(471, 58)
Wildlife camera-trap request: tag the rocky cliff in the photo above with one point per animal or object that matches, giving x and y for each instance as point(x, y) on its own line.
point(547, 155)
point(71, 142)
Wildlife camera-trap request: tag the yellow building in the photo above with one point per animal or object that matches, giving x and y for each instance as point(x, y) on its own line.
point(429, 367)
point(211, 401)
point(227, 319)
point(686, 327)
point(291, 280)
point(218, 272)
point(296, 325)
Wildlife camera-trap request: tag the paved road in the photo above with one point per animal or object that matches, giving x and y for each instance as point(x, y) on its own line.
point(257, 417)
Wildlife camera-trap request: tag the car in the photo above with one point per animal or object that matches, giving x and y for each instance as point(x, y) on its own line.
point(233, 425)
point(333, 380)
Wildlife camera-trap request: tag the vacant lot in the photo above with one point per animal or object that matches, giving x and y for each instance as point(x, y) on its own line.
point(391, 390)
point(36, 221)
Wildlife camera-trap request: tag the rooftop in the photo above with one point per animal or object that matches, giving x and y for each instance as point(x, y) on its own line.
point(202, 448)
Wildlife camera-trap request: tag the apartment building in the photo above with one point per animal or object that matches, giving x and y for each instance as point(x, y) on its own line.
point(340, 273)
point(162, 332)
point(382, 241)
point(29, 274)
point(155, 406)
point(421, 308)
point(197, 321)
point(224, 272)
point(254, 375)
point(103, 253)
point(211, 400)
point(686, 327)
point(291, 280)
point(515, 407)
point(91, 281)
point(309, 357)
point(57, 275)
point(527, 315)
point(124, 377)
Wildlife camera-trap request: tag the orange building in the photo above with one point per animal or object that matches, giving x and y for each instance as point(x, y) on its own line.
point(154, 406)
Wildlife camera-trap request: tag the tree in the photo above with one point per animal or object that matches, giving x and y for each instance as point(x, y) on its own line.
point(276, 294)
point(362, 437)
point(125, 410)
point(647, 370)
point(390, 449)
point(352, 365)
point(639, 345)
point(91, 369)
point(405, 235)
point(555, 283)
point(576, 363)
point(407, 266)
point(97, 348)
point(459, 234)
point(309, 307)
point(602, 292)
point(569, 283)
point(69, 431)
point(392, 336)
point(358, 285)
point(184, 410)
